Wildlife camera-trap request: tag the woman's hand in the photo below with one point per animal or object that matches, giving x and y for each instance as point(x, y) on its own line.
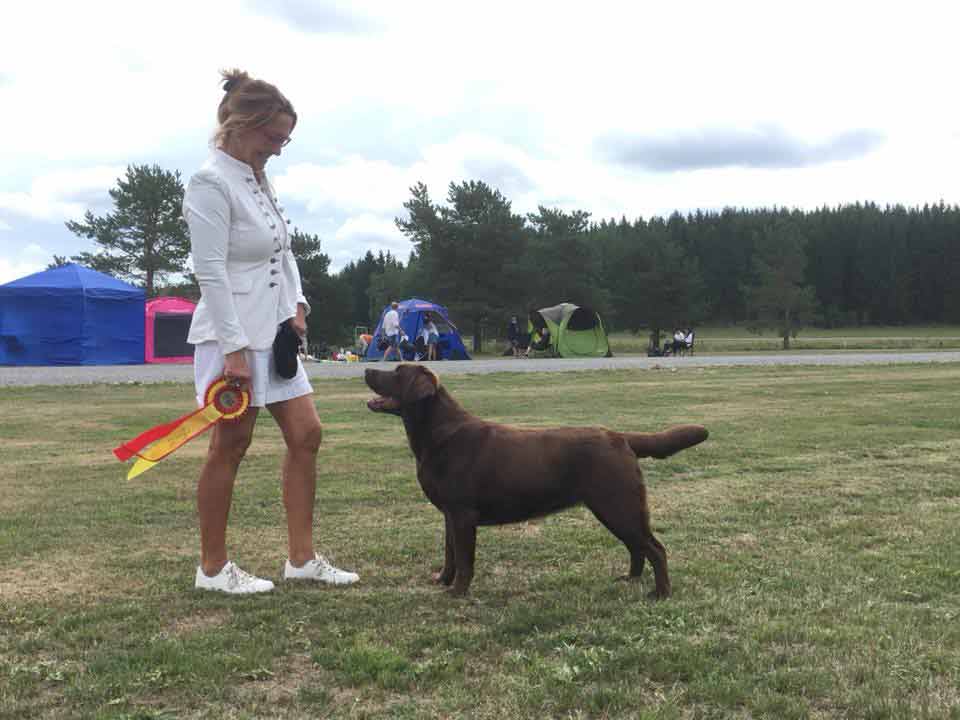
point(300, 321)
point(236, 371)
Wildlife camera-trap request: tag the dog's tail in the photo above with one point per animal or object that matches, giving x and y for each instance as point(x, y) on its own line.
point(666, 443)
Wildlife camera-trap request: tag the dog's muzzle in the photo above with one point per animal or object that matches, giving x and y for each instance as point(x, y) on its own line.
point(383, 404)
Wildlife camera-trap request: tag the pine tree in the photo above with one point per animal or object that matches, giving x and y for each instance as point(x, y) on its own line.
point(779, 298)
point(329, 296)
point(145, 239)
point(465, 250)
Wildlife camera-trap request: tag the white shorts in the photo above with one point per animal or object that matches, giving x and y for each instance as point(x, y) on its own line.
point(266, 386)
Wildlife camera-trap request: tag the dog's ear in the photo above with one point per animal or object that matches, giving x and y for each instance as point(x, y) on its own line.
point(420, 384)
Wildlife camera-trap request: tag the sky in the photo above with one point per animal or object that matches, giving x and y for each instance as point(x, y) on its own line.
point(620, 109)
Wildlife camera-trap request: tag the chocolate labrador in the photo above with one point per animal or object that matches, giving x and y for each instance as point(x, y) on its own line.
point(483, 473)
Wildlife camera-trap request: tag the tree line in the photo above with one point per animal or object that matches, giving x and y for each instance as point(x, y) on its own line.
point(779, 269)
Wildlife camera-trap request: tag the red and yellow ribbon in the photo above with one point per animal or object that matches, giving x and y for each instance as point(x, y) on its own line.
point(222, 401)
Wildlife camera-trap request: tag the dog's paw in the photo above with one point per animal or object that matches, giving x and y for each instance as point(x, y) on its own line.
point(655, 596)
point(443, 577)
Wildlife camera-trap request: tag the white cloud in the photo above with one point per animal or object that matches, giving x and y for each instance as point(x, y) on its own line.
point(362, 184)
point(516, 94)
point(350, 185)
point(15, 264)
point(361, 233)
point(39, 207)
point(352, 202)
point(316, 16)
point(63, 194)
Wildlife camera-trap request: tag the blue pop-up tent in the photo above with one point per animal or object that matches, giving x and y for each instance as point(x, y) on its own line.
point(412, 311)
point(71, 315)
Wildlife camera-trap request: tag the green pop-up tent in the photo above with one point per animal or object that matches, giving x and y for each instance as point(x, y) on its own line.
point(574, 331)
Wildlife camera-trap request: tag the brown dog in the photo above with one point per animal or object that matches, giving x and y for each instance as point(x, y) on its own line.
point(483, 473)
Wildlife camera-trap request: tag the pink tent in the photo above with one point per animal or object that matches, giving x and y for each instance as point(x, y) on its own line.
point(167, 324)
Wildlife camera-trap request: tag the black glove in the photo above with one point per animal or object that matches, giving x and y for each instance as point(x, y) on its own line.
point(286, 347)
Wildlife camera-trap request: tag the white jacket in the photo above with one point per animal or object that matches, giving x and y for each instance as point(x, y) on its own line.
point(248, 276)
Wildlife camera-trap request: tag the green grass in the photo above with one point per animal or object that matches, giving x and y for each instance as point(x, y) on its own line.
point(813, 542)
point(737, 339)
point(734, 339)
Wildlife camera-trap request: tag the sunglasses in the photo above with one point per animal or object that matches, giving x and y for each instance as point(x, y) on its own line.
point(275, 139)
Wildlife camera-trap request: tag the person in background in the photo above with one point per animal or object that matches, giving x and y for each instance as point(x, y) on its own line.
point(363, 344)
point(405, 348)
point(514, 336)
point(430, 336)
point(540, 341)
point(249, 286)
point(391, 331)
point(677, 345)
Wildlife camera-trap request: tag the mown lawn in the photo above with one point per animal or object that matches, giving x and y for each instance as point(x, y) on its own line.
point(814, 547)
point(729, 339)
point(737, 339)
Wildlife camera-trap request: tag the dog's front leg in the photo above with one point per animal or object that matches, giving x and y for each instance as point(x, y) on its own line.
point(464, 548)
point(445, 576)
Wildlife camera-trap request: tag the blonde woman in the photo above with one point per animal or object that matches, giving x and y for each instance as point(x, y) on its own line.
point(250, 286)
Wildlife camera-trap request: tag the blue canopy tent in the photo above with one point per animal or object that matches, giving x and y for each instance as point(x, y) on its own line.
point(71, 315)
point(412, 311)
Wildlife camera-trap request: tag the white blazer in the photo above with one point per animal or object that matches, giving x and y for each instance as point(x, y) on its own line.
point(248, 276)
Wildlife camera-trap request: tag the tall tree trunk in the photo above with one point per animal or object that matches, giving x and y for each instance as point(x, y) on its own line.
point(477, 336)
point(655, 339)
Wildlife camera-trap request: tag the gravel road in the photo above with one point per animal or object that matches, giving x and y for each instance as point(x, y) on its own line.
point(83, 375)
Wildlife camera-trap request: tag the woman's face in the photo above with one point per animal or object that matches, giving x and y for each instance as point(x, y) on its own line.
point(257, 145)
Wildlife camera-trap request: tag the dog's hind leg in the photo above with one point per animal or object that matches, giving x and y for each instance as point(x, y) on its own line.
point(446, 575)
point(629, 520)
point(654, 550)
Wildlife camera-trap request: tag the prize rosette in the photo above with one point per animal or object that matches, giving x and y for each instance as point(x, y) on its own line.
point(229, 400)
point(222, 402)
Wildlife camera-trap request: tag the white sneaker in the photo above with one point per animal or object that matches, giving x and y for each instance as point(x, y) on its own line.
point(231, 579)
point(321, 570)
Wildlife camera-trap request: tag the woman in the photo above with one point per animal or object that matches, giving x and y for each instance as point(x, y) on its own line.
point(432, 336)
point(250, 284)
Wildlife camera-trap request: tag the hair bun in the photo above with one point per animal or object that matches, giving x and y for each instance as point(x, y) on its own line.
point(232, 78)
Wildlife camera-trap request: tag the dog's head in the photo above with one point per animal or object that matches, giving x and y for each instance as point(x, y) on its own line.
point(406, 385)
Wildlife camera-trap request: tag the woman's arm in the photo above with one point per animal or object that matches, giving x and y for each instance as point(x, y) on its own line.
point(207, 211)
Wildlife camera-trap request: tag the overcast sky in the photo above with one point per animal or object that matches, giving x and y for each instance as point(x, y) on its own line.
point(616, 108)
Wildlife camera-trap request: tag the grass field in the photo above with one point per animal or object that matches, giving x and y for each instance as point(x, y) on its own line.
point(737, 339)
point(715, 340)
point(814, 548)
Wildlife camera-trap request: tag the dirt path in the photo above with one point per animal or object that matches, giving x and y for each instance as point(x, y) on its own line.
point(82, 375)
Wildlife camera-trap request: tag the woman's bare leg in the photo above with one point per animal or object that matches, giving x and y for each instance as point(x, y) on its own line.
point(228, 444)
point(302, 432)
